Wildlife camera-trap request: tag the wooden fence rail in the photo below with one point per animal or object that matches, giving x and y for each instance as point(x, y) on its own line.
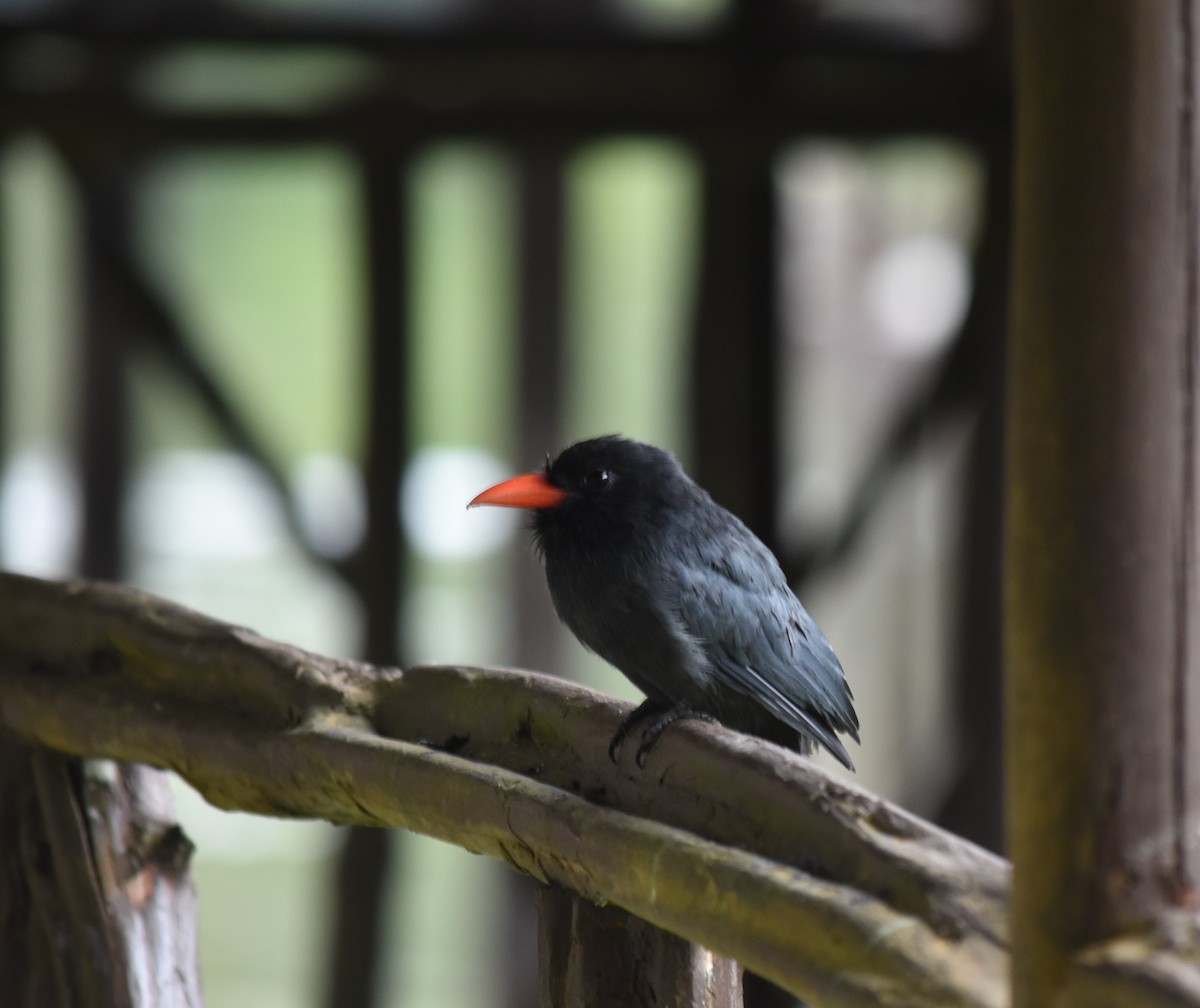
point(728, 842)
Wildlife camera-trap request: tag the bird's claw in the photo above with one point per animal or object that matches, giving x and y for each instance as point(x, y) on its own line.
point(646, 709)
point(614, 748)
point(660, 716)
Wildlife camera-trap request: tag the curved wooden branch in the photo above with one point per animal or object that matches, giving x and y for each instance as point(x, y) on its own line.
point(733, 843)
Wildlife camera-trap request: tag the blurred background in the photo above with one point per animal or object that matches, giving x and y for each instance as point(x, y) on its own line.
point(284, 283)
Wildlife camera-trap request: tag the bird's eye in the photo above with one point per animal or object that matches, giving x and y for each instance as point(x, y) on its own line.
point(598, 479)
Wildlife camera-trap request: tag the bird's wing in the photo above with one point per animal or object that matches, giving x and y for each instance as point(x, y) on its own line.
point(737, 603)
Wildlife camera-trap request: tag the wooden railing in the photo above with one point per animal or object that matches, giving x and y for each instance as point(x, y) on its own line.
point(734, 845)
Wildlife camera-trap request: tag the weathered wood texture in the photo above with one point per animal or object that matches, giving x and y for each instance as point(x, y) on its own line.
point(97, 910)
point(1103, 637)
point(726, 841)
point(598, 957)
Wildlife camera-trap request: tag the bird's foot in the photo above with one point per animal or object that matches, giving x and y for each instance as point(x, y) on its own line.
point(646, 709)
point(662, 717)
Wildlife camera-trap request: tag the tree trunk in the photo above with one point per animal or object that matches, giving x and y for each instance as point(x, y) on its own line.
point(1103, 701)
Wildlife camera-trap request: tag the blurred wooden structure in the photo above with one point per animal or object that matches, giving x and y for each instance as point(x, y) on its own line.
point(539, 80)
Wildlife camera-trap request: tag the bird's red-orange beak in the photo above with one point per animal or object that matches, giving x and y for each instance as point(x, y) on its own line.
point(529, 490)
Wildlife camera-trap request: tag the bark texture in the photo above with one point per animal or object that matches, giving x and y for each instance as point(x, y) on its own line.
point(729, 842)
point(1103, 634)
point(595, 957)
point(97, 907)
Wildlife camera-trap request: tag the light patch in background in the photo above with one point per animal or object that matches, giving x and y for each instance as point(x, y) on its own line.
point(433, 504)
point(211, 504)
point(39, 515)
point(208, 530)
point(330, 504)
point(243, 838)
point(918, 289)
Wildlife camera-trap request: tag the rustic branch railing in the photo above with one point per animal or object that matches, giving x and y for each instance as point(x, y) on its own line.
point(727, 842)
point(816, 884)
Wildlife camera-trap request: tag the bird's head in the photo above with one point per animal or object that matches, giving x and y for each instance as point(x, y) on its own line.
point(606, 482)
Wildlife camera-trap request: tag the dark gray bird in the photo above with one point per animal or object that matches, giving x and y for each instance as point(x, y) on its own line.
point(658, 579)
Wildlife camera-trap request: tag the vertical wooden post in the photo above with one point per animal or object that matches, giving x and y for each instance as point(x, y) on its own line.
point(97, 905)
point(602, 957)
point(735, 352)
point(1103, 701)
point(541, 308)
point(103, 425)
point(369, 856)
point(541, 220)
